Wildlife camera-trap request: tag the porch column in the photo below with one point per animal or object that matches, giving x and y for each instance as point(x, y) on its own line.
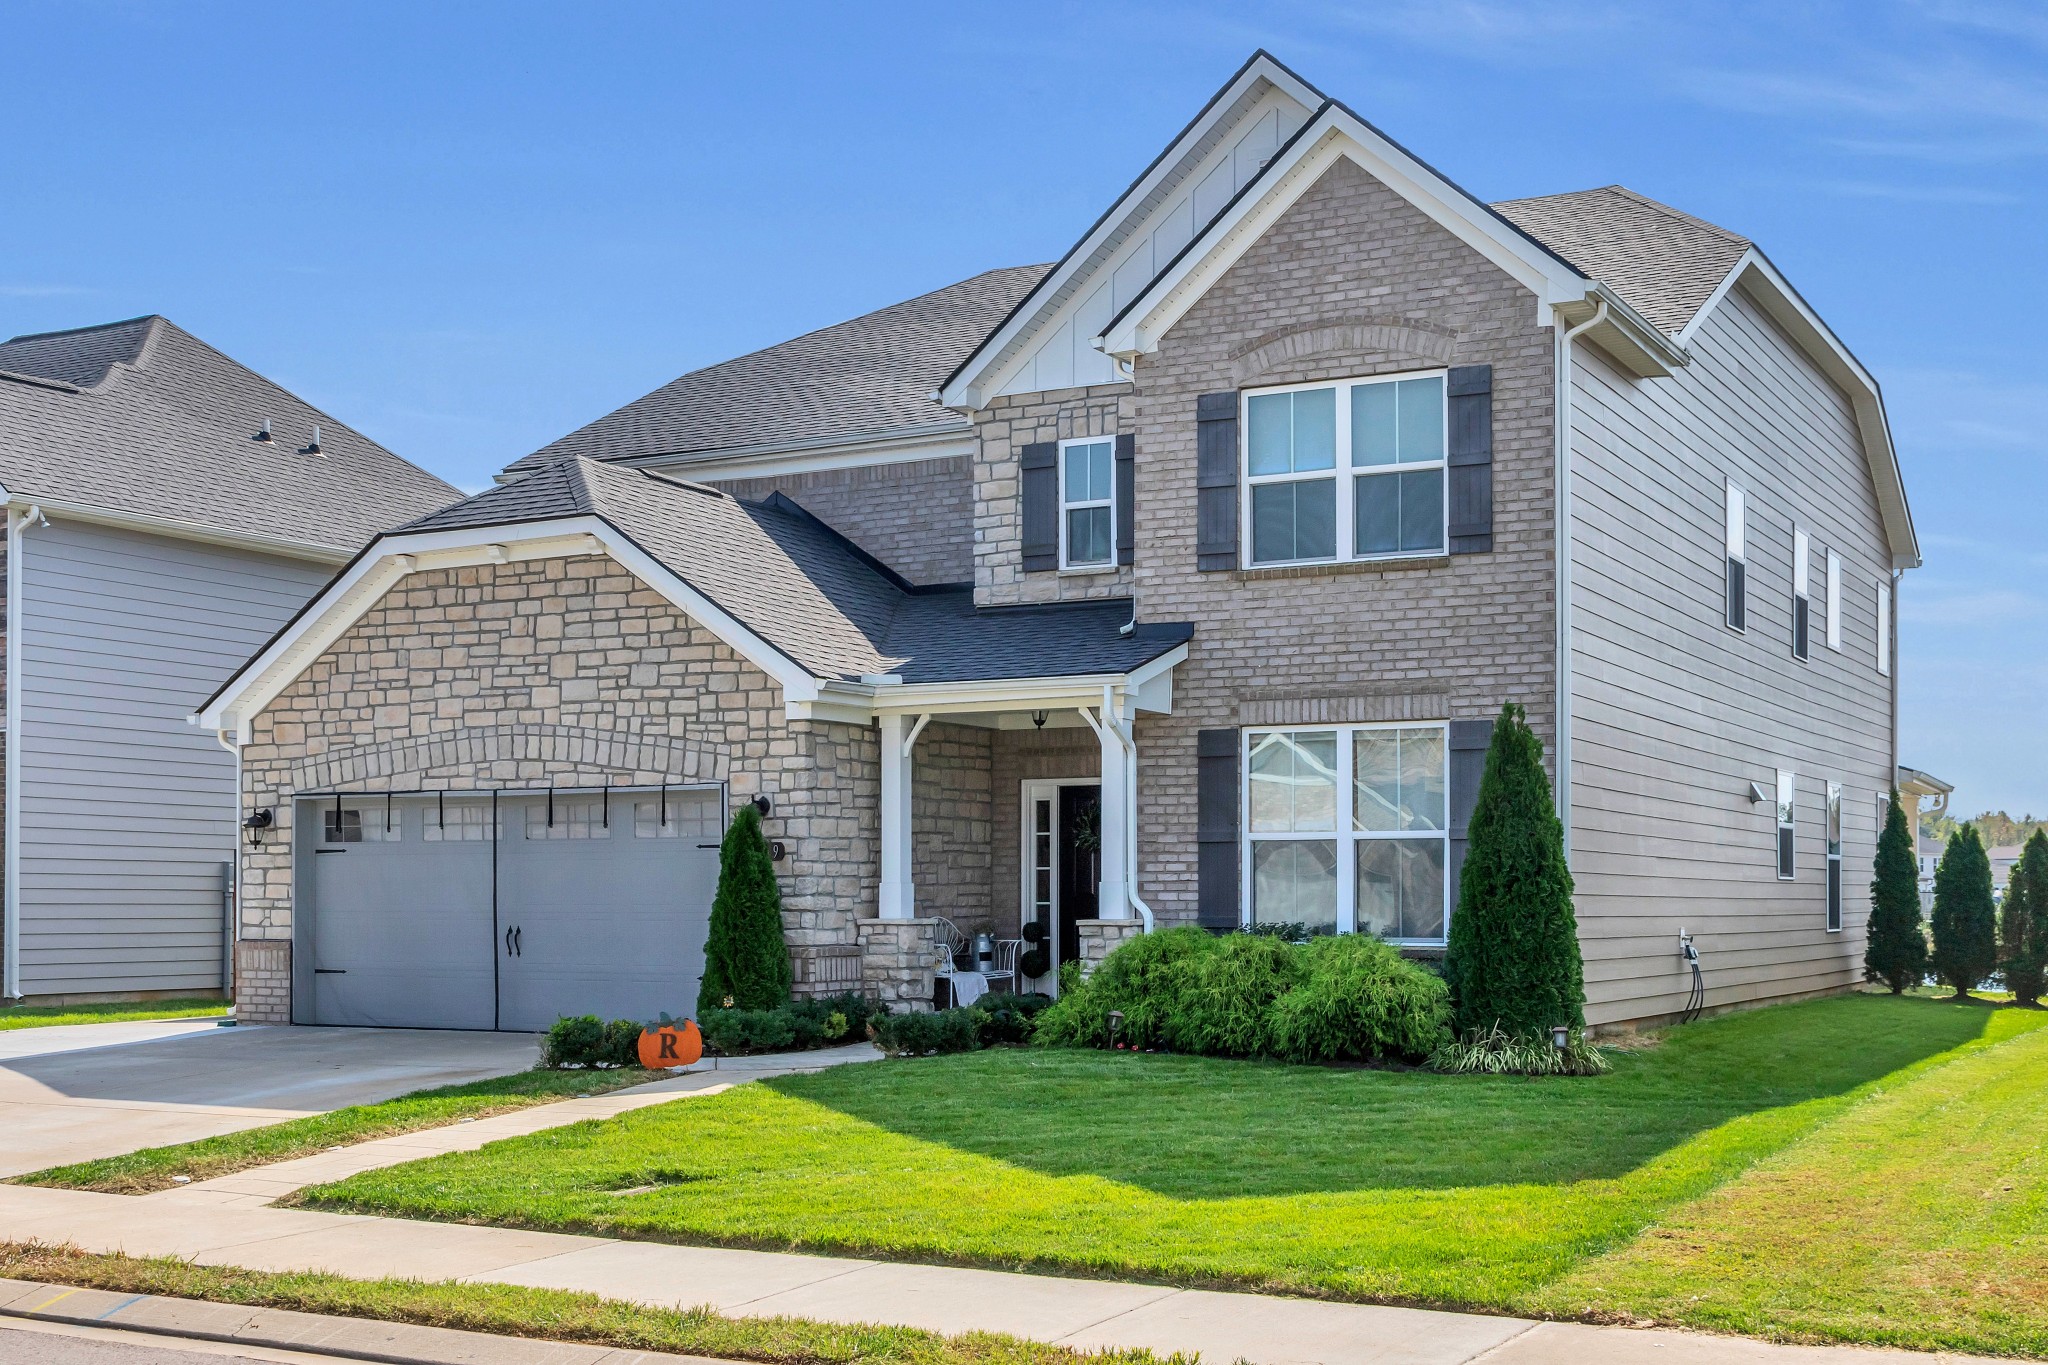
point(1112, 901)
point(898, 895)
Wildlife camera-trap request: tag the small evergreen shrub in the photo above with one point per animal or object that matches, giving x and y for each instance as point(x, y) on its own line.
point(737, 1032)
point(829, 1021)
point(1010, 1019)
point(745, 958)
point(1144, 977)
point(1512, 960)
point(1965, 916)
point(1497, 1053)
point(2023, 924)
point(927, 1033)
point(1896, 951)
point(1358, 1000)
point(588, 1041)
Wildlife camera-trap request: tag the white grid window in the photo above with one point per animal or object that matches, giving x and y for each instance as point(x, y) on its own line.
point(575, 817)
point(369, 824)
point(452, 822)
point(1345, 830)
point(676, 815)
point(1088, 503)
point(1351, 470)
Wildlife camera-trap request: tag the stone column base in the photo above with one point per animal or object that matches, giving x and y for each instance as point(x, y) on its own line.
point(898, 961)
point(263, 981)
point(1099, 937)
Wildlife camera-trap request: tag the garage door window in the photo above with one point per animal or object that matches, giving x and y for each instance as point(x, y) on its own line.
point(680, 815)
point(466, 823)
point(358, 825)
point(573, 818)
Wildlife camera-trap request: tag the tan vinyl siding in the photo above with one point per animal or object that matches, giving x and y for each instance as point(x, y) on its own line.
point(1674, 715)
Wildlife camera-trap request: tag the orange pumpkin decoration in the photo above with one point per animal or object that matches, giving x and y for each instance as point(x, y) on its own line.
point(669, 1044)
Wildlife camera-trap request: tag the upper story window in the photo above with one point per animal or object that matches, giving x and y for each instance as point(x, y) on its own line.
point(1347, 829)
point(1802, 596)
point(1787, 799)
point(1834, 604)
point(1088, 503)
point(1350, 470)
point(1834, 857)
point(1884, 629)
point(1736, 516)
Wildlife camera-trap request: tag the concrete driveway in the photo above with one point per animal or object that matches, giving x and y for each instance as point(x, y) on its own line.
point(95, 1090)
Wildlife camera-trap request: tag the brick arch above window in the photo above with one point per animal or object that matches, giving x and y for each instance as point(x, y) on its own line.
point(1284, 352)
point(564, 753)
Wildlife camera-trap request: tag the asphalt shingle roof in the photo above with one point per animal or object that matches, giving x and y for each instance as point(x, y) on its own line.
point(810, 592)
point(1665, 264)
point(143, 418)
point(870, 375)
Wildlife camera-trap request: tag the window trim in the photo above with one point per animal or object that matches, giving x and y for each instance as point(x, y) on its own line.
point(1831, 829)
point(1067, 565)
point(1735, 556)
point(1341, 471)
point(1345, 834)
point(1786, 811)
point(1802, 593)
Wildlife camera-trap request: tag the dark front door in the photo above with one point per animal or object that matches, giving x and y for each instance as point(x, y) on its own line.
point(1080, 863)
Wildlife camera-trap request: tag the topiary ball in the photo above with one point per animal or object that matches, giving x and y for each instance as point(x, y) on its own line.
point(1035, 962)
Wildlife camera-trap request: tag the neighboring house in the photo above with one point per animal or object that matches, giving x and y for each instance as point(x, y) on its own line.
point(1923, 794)
point(155, 536)
point(1178, 582)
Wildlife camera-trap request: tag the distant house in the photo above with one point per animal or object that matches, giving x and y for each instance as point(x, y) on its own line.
point(167, 509)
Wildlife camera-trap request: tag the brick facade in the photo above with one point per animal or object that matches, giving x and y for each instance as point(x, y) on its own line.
point(916, 516)
point(1001, 431)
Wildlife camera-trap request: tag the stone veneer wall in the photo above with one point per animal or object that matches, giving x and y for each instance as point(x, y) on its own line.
point(916, 516)
point(1001, 431)
point(562, 671)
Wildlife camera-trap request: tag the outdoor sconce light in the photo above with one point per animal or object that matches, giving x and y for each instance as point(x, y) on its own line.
point(1038, 719)
point(257, 822)
point(763, 805)
point(1756, 794)
point(1561, 1037)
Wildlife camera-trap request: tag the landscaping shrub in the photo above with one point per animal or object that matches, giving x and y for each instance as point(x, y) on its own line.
point(1896, 952)
point(746, 962)
point(1965, 916)
point(1497, 1053)
point(921, 1035)
point(1513, 956)
point(737, 1032)
point(1253, 995)
point(586, 1040)
point(1359, 1000)
point(826, 1022)
point(2023, 924)
point(1011, 1018)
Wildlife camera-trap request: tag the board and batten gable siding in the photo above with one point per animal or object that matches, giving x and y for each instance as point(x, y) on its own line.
point(1674, 714)
point(128, 812)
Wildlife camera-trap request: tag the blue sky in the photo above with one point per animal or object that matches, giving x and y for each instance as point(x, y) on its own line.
point(466, 228)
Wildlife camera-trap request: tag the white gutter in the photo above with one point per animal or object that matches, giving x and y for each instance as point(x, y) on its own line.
point(1562, 502)
point(10, 883)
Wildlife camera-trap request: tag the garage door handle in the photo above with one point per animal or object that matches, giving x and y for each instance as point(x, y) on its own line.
point(519, 941)
point(512, 946)
point(508, 943)
point(330, 971)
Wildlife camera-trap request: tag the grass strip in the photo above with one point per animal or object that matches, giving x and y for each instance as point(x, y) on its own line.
point(548, 1314)
point(157, 1168)
point(132, 1012)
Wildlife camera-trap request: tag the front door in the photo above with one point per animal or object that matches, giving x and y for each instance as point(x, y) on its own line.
point(1079, 860)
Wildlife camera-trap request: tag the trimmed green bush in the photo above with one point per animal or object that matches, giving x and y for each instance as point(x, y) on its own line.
point(1358, 1000)
point(586, 1040)
point(2023, 924)
point(933, 1031)
point(1512, 961)
point(737, 1032)
point(1896, 951)
point(746, 961)
point(1965, 916)
point(1010, 1019)
point(1253, 995)
point(826, 1022)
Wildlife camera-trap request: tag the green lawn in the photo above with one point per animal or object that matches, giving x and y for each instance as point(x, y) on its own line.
point(46, 1016)
point(155, 1168)
point(1363, 1184)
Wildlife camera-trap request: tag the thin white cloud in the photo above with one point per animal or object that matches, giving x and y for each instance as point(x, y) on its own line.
point(1918, 194)
point(42, 291)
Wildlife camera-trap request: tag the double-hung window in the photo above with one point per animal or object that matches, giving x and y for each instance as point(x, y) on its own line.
point(1735, 515)
point(1787, 797)
point(1088, 503)
point(1346, 829)
point(1802, 595)
point(1834, 857)
point(1346, 470)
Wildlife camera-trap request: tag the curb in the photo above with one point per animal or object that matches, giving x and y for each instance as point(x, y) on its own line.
point(391, 1343)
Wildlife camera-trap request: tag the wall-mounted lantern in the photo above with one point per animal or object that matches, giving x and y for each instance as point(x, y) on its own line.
point(257, 822)
point(763, 805)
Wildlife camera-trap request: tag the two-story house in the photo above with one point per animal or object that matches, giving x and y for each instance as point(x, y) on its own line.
point(1177, 582)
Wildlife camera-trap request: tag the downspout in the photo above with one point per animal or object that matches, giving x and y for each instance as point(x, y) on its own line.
point(1128, 743)
point(232, 931)
point(1562, 499)
point(10, 849)
point(1892, 782)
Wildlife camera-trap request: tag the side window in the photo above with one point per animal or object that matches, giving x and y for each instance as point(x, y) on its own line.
point(1802, 596)
point(1738, 553)
point(1088, 503)
point(1834, 857)
point(1884, 629)
point(1787, 793)
point(1834, 603)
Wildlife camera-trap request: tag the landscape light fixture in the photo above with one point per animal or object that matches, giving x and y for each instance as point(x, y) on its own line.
point(1561, 1037)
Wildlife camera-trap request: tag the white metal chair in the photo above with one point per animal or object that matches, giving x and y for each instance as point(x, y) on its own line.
point(950, 945)
point(1004, 965)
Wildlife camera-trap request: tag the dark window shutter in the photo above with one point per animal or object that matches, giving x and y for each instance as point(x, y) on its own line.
point(1126, 498)
point(1216, 482)
point(1216, 847)
point(1471, 459)
point(1039, 488)
point(1469, 741)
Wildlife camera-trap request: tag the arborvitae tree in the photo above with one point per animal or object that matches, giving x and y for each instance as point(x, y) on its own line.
point(1965, 916)
point(2023, 924)
point(1513, 957)
point(746, 964)
point(1896, 951)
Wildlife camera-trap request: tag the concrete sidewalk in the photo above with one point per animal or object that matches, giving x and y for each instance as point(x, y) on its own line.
point(1082, 1313)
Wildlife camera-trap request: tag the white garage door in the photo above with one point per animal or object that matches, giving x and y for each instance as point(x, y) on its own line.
point(425, 912)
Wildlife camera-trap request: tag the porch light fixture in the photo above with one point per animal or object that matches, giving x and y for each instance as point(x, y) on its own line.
point(256, 823)
point(1038, 718)
point(763, 805)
